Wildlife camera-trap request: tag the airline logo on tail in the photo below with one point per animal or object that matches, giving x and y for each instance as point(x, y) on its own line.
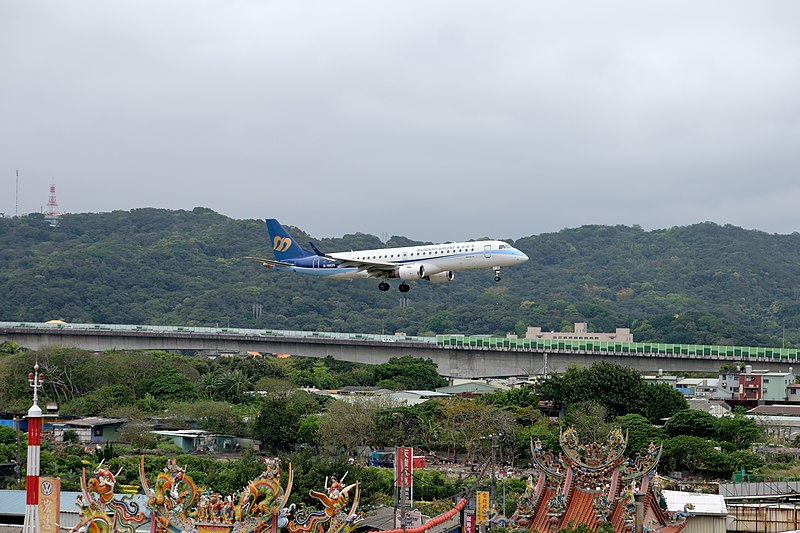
point(281, 244)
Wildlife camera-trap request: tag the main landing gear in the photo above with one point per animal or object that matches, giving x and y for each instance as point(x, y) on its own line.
point(403, 287)
point(496, 273)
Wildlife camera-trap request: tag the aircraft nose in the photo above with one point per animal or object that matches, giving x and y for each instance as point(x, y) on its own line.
point(521, 257)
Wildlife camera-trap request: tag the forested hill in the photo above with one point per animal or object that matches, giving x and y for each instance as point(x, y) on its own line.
point(703, 283)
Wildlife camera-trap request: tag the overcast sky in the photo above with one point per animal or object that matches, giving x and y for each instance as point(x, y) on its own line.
point(437, 120)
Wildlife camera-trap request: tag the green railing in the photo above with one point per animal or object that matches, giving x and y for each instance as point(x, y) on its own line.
point(611, 347)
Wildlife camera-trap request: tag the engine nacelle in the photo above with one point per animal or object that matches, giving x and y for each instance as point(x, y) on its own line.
point(441, 277)
point(411, 272)
point(418, 271)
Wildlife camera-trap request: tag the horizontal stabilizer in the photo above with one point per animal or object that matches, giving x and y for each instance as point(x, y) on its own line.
point(269, 263)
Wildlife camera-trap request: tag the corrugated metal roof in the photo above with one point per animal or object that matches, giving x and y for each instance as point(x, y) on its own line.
point(704, 504)
point(93, 421)
point(777, 409)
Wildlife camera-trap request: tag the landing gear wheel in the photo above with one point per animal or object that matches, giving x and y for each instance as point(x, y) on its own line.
point(404, 287)
point(497, 278)
point(496, 273)
point(383, 286)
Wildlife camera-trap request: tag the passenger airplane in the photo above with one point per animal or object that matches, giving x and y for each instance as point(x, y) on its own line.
point(435, 262)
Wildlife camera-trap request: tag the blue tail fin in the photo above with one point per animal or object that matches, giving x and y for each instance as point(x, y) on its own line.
point(283, 245)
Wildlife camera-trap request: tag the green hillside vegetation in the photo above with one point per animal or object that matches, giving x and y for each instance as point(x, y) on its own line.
point(697, 284)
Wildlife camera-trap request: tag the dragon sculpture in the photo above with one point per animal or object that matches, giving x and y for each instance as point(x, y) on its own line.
point(97, 503)
point(335, 500)
point(170, 498)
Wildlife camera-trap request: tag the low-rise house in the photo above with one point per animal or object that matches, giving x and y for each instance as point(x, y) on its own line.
point(766, 386)
point(688, 386)
point(415, 397)
point(188, 440)
point(672, 381)
point(793, 393)
point(470, 388)
point(713, 407)
point(91, 429)
point(354, 394)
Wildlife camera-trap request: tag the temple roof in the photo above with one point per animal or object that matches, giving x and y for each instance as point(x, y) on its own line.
point(593, 484)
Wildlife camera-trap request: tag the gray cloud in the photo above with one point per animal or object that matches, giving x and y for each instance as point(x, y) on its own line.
point(435, 120)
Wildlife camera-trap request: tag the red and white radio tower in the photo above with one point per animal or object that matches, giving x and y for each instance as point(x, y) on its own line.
point(31, 524)
point(51, 214)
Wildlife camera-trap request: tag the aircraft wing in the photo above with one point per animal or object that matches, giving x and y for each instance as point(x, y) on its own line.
point(375, 269)
point(269, 263)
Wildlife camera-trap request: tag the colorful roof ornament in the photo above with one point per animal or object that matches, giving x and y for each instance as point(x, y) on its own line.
point(592, 484)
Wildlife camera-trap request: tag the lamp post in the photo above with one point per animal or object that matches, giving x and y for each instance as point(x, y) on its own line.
point(31, 524)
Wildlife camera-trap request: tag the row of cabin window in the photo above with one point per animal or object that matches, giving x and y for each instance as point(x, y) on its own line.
point(411, 255)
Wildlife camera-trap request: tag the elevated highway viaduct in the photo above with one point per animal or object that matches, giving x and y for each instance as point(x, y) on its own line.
point(459, 360)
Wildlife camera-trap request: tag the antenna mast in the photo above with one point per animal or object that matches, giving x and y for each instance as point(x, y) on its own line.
point(51, 214)
point(16, 197)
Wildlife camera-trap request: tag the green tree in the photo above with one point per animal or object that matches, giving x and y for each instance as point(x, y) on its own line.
point(739, 431)
point(169, 383)
point(640, 433)
point(512, 398)
point(138, 434)
point(619, 389)
point(308, 430)
point(100, 401)
point(686, 452)
point(228, 385)
point(410, 373)
point(693, 423)
point(9, 347)
point(589, 420)
point(660, 401)
point(278, 422)
point(349, 425)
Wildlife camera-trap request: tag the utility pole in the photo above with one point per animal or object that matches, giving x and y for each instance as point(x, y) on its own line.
point(396, 495)
point(403, 501)
point(494, 481)
point(18, 467)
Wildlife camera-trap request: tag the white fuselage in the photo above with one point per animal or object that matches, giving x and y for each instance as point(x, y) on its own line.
point(412, 262)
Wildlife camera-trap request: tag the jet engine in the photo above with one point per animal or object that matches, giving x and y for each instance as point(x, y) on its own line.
point(422, 271)
point(441, 277)
point(411, 272)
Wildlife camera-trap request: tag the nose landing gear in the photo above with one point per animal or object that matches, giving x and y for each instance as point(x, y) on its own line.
point(496, 273)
